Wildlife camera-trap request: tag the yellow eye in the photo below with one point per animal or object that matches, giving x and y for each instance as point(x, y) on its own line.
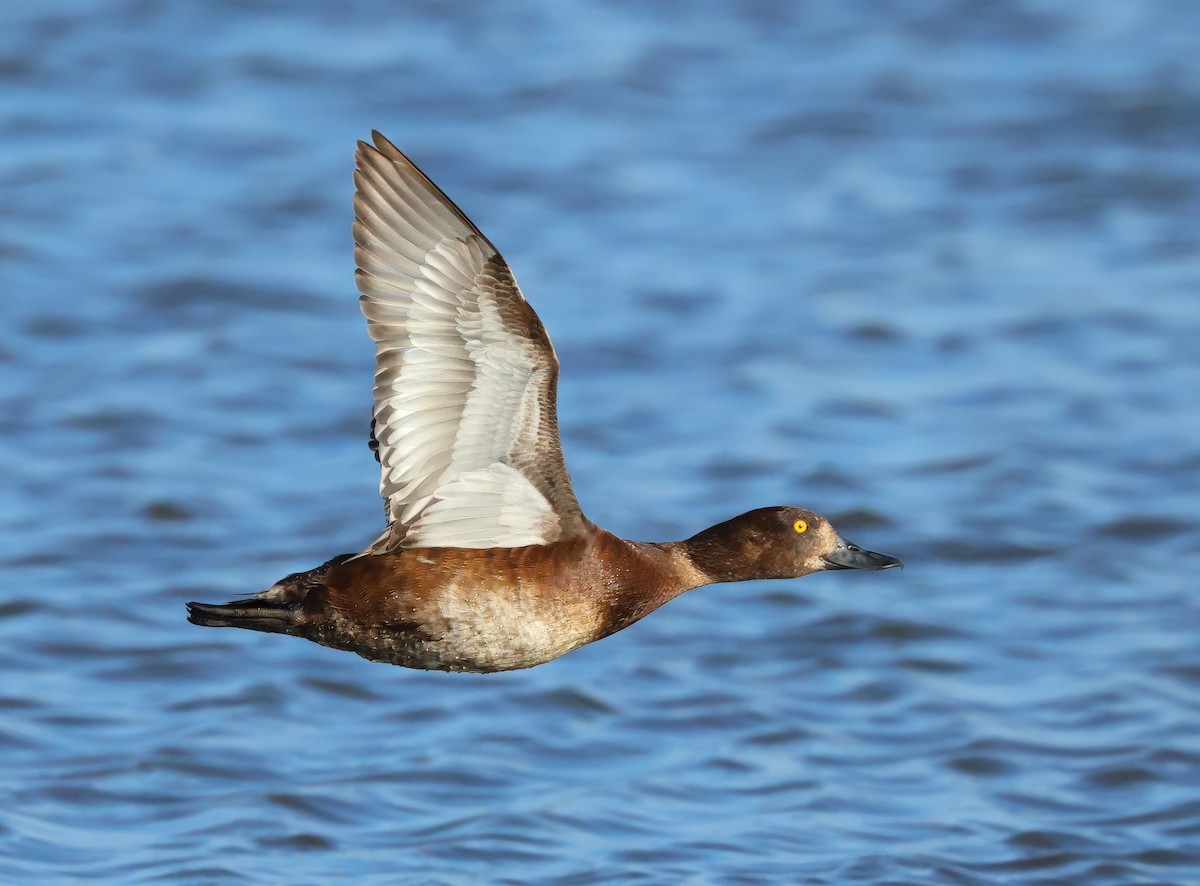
point(800, 526)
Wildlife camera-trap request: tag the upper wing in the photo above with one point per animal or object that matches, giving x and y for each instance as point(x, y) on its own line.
point(465, 376)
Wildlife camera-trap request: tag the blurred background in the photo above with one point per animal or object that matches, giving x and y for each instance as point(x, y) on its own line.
point(927, 266)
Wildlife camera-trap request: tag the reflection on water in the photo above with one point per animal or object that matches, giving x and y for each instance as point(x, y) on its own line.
point(930, 271)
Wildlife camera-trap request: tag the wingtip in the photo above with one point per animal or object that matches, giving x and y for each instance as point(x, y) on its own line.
point(433, 195)
point(363, 149)
point(385, 147)
point(381, 146)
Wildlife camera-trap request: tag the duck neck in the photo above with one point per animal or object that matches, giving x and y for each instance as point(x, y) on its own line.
point(639, 577)
point(723, 554)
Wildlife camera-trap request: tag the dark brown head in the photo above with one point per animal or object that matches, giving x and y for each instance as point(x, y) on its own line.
point(777, 543)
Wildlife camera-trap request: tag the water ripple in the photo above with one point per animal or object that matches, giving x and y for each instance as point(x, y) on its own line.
point(930, 271)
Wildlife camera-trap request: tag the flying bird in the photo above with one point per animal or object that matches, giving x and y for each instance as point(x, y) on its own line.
point(487, 562)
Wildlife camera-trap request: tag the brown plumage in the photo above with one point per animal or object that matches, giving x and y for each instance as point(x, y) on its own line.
point(488, 563)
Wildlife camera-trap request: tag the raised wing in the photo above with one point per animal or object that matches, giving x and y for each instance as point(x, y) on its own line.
point(465, 376)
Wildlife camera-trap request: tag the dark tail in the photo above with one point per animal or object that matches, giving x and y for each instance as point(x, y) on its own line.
point(253, 615)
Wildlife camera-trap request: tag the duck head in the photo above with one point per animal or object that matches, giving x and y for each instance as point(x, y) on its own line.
point(778, 542)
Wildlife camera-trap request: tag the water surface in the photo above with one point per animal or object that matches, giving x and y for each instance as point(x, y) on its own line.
point(930, 269)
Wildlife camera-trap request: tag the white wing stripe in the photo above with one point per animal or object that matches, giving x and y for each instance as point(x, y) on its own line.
point(467, 508)
point(372, 254)
point(392, 268)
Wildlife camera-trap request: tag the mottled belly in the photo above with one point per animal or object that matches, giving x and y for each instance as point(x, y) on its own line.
point(480, 633)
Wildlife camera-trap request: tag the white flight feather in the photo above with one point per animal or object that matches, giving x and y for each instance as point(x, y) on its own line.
point(453, 390)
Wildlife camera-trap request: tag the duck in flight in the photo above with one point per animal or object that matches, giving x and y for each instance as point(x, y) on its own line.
point(487, 562)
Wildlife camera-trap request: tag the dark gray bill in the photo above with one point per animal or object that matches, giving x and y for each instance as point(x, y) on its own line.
point(851, 556)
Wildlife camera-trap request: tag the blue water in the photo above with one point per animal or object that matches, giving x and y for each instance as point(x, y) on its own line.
point(929, 267)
